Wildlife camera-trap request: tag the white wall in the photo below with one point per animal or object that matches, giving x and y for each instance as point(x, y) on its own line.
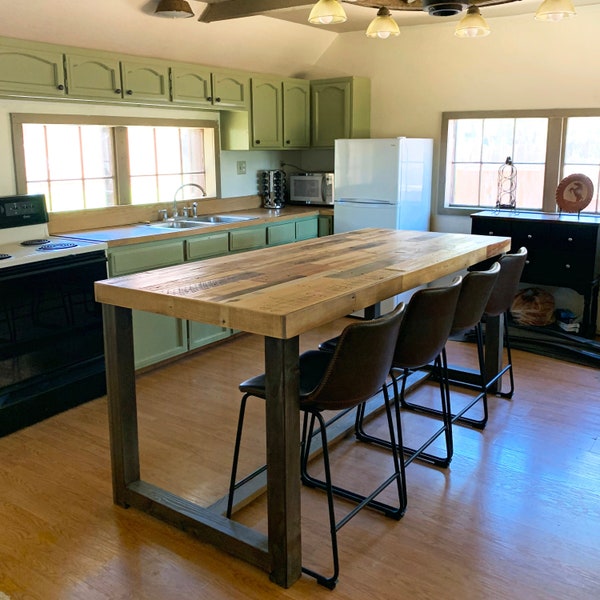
point(523, 63)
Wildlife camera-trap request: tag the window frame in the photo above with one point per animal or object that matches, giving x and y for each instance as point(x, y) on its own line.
point(120, 148)
point(557, 119)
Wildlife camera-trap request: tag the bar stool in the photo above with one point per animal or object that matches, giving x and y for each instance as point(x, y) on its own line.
point(338, 381)
point(474, 295)
point(501, 299)
point(421, 340)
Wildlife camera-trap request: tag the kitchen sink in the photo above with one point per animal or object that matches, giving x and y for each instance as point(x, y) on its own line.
point(179, 224)
point(219, 219)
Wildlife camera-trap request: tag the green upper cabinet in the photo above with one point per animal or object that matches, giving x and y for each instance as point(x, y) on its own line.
point(201, 86)
point(93, 77)
point(145, 81)
point(296, 113)
point(267, 115)
point(106, 77)
point(341, 108)
point(280, 113)
point(29, 71)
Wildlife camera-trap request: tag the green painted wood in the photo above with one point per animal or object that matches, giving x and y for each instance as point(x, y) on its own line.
point(145, 81)
point(307, 228)
point(267, 116)
point(296, 113)
point(282, 233)
point(93, 77)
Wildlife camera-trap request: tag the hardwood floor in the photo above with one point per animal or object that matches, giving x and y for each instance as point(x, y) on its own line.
point(515, 516)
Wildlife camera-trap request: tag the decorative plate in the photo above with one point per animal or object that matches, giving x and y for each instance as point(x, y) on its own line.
point(574, 192)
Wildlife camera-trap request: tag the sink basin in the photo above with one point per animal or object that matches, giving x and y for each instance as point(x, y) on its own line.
point(219, 219)
point(179, 224)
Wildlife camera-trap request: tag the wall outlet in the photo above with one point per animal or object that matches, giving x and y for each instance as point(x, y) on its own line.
point(241, 167)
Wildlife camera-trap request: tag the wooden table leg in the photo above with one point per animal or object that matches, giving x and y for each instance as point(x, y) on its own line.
point(122, 410)
point(283, 459)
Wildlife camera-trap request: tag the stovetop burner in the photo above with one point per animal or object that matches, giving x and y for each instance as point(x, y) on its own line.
point(34, 242)
point(3, 256)
point(57, 246)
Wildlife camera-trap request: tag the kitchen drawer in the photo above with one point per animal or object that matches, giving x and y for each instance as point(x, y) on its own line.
point(531, 235)
point(574, 238)
point(142, 257)
point(282, 233)
point(482, 226)
point(247, 239)
point(205, 246)
point(307, 229)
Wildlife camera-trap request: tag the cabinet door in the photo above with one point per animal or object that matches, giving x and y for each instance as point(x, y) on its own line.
point(296, 113)
point(341, 108)
point(191, 84)
point(157, 337)
point(267, 117)
point(144, 81)
point(90, 77)
point(325, 225)
point(142, 257)
point(247, 239)
point(307, 229)
point(231, 90)
point(282, 233)
point(31, 72)
point(205, 246)
point(331, 112)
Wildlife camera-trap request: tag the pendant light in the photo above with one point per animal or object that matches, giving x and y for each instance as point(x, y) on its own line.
point(554, 10)
point(174, 9)
point(327, 12)
point(472, 24)
point(383, 25)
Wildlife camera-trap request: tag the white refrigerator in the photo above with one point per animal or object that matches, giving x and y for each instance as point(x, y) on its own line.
point(383, 183)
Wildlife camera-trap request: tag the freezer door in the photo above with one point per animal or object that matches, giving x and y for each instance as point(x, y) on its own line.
point(351, 214)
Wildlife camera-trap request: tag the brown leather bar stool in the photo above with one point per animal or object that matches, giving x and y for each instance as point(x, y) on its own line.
point(421, 341)
point(474, 295)
point(501, 299)
point(338, 381)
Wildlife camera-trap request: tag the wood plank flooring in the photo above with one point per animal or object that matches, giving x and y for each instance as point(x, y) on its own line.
point(515, 516)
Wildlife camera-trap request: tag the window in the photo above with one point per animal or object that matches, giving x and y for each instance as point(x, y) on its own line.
point(86, 162)
point(544, 147)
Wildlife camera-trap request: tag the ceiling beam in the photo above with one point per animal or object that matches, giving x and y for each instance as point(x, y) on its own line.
point(234, 9)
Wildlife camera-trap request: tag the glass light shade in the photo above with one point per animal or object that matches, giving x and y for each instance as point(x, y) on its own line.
point(174, 9)
point(383, 25)
point(472, 25)
point(554, 10)
point(327, 12)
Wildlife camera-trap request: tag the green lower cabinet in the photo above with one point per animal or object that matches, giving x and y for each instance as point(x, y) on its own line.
point(247, 239)
point(282, 233)
point(157, 337)
point(325, 225)
point(201, 334)
point(307, 229)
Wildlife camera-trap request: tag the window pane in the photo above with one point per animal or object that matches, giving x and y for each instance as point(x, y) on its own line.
point(477, 149)
point(142, 158)
point(71, 164)
point(143, 190)
point(168, 150)
point(582, 153)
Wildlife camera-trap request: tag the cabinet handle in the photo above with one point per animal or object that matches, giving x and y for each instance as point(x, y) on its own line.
point(287, 142)
point(60, 86)
point(257, 141)
point(129, 92)
point(118, 91)
point(217, 99)
point(569, 239)
point(209, 98)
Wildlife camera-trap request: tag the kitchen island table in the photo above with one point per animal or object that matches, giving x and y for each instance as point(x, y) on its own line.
point(278, 293)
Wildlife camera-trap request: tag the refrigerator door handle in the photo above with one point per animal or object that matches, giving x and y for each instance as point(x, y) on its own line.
point(363, 201)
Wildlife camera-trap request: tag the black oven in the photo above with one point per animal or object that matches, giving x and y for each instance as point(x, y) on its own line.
point(51, 341)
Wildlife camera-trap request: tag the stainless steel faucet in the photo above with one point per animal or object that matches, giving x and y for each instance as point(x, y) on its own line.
point(175, 212)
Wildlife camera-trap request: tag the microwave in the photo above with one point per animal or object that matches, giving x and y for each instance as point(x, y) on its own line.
point(311, 188)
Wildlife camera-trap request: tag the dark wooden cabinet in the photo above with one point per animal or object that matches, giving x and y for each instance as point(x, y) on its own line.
point(563, 251)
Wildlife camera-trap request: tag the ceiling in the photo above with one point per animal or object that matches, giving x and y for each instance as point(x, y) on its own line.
point(359, 12)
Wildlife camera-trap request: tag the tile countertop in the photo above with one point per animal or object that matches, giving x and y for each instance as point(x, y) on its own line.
point(143, 232)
